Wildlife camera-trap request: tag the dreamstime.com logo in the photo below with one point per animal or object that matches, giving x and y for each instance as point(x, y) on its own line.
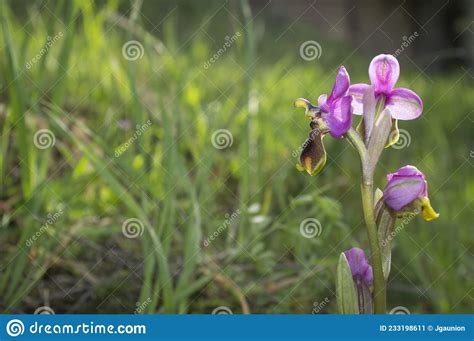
point(16, 328)
point(44, 139)
point(222, 139)
point(310, 50)
point(404, 139)
point(133, 50)
point(133, 228)
point(310, 228)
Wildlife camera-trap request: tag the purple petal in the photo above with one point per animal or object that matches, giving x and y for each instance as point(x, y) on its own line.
point(404, 104)
point(404, 186)
point(322, 103)
point(360, 267)
point(357, 92)
point(339, 118)
point(340, 85)
point(407, 171)
point(383, 73)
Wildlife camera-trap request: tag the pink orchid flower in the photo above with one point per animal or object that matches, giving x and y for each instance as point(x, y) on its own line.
point(404, 104)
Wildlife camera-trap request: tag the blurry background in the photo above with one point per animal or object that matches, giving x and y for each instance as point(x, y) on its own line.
point(148, 153)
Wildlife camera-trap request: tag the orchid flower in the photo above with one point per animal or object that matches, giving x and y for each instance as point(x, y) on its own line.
point(384, 70)
point(407, 187)
point(333, 115)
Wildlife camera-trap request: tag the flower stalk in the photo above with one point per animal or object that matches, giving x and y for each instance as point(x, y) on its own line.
point(379, 294)
point(367, 190)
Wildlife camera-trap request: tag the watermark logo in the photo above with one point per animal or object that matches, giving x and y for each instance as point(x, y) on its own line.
point(44, 139)
point(407, 41)
point(140, 129)
point(400, 311)
point(52, 218)
point(384, 242)
point(404, 140)
point(229, 219)
point(296, 153)
point(15, 328)
point(311, 50)
point(133, 228)
point(222, 310)
point(44, 310)
point(222, 139)
point(133, 50)
point(228, 43)
point(318, 306)
point(141, 306)
point(44, 49)
point(310, 228)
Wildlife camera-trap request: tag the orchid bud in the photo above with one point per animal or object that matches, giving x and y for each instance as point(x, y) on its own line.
point(360, 267)
point(407, 187)
point(362, 276)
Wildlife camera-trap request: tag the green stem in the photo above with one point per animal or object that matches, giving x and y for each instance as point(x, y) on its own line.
point(367, 192)
point(376, 256)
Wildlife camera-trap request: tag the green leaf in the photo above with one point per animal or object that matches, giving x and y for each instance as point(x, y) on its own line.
point(385, 220)
point(346, 294)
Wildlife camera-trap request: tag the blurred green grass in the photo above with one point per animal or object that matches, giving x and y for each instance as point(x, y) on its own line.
point(183, 189)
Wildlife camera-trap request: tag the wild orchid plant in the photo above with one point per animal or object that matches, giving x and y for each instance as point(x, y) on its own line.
point(360, 287)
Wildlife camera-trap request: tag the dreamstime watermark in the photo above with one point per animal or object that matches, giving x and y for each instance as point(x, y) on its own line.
point(310, 228)
point(318, 306)
point(140, 129)
point(222, 310)
point(222, 139)
point(141, 306)
point(15, 328)
point(44, 139)
point(133, 228)
point(311, 50)
point(306, 143)
point(44, 49)
point(400, 310)
point(404, 139)
point(133, 50)
point(227, 44)
point(407, 41)
point(51, 219)
point(399, 227)
point(44, 310)
point(230, 219)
